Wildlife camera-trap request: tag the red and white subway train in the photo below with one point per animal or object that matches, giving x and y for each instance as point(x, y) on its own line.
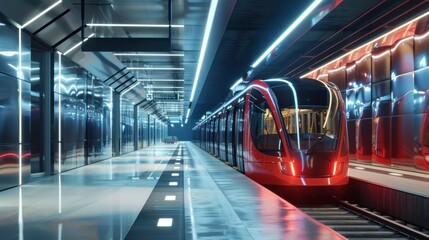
point(287, 131)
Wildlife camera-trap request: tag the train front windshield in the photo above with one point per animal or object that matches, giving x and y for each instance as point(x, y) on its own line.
point(311, 114)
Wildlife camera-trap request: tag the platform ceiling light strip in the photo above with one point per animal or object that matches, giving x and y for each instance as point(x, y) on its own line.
point(164, 87)
point(207, 31)
point(236, 83)
point(156, 68)
point(161, 91)
point(78, 44)
point(129, 89)
point(151, 54)
point(370, 42)
point(161, 80)
point(134, 25)
point(40, 14)
point(287, 32)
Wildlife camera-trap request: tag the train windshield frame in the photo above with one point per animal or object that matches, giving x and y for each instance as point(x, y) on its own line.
point(311, 113)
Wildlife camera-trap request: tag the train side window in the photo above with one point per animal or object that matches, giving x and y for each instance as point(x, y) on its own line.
point(263, 128)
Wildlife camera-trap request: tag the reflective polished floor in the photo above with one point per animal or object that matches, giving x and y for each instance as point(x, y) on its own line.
point(105, 200)
point(98, 201)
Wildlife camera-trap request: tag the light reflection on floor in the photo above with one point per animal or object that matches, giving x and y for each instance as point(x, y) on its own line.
point(98, 201)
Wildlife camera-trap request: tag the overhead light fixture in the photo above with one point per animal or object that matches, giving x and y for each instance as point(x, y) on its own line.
point(187, 115)
point(41, 14)
point(210, 19)
point(287, 32)
point(236, 83)
point(164, 87)
point(129, 89)
point(161, 80)
point(156, 68)
point(160, 91)
point(151, 54)
point(133, 25)
point(78, 44)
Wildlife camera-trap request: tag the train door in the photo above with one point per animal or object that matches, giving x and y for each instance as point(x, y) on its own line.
point(212, 136)
point(238, 141)
point(222, 137)
point(204, 136)
point(229, 137)
point(227, 158)
point(208, 136)
point(216, 137)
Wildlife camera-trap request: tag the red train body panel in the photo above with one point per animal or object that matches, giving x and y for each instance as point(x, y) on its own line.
point(282, 132)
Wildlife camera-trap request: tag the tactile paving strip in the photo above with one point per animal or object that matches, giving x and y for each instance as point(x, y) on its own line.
point(162, 217)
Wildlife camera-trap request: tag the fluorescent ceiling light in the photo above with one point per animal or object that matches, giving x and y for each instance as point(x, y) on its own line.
point(163, 87)
point(41, 14)
point(78, 44)
point(161, 80)
point(155, 68)
point(151, 54)
point(160, 91)
point(133, 86)
point(287, 32)
point(133, 25)
point(236, 83)
point(210, 19)
point(187, 115)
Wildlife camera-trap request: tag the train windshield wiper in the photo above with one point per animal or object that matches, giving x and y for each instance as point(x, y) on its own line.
point(317, 141)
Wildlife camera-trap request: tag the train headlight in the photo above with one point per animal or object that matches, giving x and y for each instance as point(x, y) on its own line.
point(287, 168)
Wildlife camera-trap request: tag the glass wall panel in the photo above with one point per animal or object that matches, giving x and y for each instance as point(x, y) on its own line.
point(127, 126)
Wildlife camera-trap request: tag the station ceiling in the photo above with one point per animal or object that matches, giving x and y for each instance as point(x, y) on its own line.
point(133, 49)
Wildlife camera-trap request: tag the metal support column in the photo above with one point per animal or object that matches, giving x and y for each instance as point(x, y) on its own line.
point(116, 125)
point(47, 79)
point(136, 129)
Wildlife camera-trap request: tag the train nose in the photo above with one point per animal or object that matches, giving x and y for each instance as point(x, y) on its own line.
point(317, 164)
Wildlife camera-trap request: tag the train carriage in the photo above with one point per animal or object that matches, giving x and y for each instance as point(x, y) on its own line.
point(282, 132)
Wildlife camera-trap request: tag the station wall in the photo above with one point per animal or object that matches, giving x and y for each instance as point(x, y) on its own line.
point(80, 115)
point(385, 84)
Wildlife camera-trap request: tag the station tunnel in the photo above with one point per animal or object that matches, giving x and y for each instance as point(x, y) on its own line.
point(214, 119)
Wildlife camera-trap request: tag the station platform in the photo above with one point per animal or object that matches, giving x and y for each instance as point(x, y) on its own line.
point(406, 181)
point(167, 191)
